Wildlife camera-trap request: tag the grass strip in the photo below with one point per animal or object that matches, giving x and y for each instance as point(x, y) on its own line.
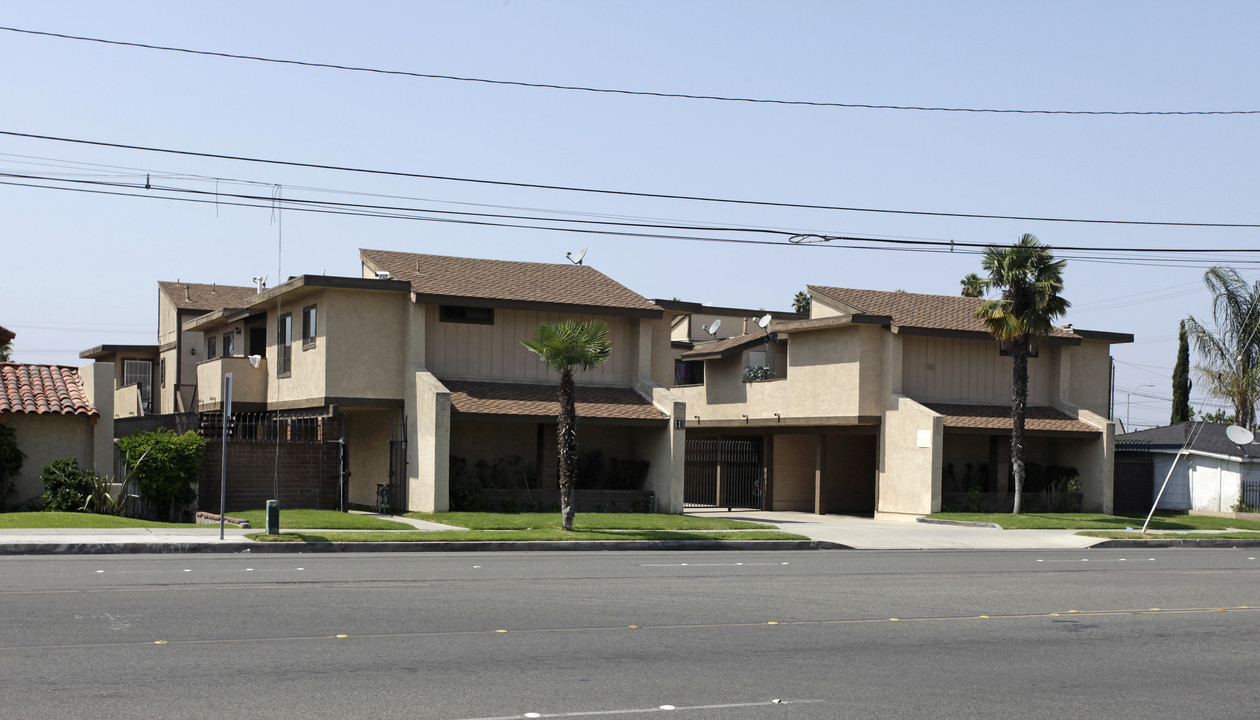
point(586, 521)
point(535, 534)
point(304, 519)
point(1178, 536)
point(72, 520)
point(1098, 521)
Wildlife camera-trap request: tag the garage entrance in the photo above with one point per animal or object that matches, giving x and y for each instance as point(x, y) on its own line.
point(725, 473)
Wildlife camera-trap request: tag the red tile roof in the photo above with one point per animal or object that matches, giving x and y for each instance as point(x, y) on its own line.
point(41, 389)
point(197, 296)
point(506, 280)
point(934, 312)
point(491, 398)
point(1037, 418)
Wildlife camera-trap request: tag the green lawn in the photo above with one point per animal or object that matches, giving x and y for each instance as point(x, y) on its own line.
point(585, 521)
point(29, 520)
point(300, 519)
point(1096, 521)
point(549, 534)
point(1180, 536)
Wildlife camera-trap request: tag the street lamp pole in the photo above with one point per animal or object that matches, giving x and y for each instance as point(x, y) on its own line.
point(1127, 395)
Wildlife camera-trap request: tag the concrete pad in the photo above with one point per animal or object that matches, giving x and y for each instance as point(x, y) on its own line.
point(864, 533)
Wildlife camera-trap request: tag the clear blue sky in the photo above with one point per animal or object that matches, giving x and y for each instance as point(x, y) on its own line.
point(81, 270)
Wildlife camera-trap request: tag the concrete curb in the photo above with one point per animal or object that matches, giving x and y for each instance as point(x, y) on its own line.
point(356, 547)
point(958, 523)
point(1176, 543)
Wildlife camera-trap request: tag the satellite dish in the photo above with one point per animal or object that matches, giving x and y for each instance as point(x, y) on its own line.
point(1239, 435)
point(576, 260)
point(712, 329)
point(763, 321)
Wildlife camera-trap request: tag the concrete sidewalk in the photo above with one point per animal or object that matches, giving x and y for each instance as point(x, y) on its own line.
point(864, 533)
point(824, 531)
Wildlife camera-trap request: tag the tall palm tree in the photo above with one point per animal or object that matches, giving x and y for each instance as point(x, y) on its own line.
point(564, 346)
point(1230, 357)
point(1031, 280)
point(972, 286)
point(802, 302)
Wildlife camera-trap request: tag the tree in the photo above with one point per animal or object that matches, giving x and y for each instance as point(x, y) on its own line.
point(564, 346)
point(972, 286)
point(6, 352)
point(1030, 280)
point(802, 302)
point(1230, 356)
point(1181, 380)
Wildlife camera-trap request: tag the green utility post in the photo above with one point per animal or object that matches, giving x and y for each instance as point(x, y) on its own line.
point(273, 517)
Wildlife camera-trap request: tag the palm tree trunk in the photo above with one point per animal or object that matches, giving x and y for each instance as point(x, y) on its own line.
point(566, 441)
point(1019, 407)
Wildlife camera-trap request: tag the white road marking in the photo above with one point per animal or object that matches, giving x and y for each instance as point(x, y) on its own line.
point(633, 711)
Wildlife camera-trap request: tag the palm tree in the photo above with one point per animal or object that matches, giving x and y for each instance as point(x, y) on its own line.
point(972, 286)
point(1230, 356)
point(564, 346)
point(802, 302)
point(1031, 280)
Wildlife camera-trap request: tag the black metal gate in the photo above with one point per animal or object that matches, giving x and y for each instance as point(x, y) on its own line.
point(1132, 477)
point(724, 473)
point(393, 496)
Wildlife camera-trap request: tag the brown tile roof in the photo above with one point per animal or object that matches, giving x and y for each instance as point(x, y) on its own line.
point(726, 346)
point(934, 312)
point(197, 296)
point(6, 335)
point(40, 389)
point(491, 398)
point(506, 280)
point(1037, 418)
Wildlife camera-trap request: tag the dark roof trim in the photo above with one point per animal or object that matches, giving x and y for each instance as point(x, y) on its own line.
point(653, 313)
point(1112, 337)
point(681, 306)
point(328, 282)
point(827, 323)
point(768, 422)
point(99, 350)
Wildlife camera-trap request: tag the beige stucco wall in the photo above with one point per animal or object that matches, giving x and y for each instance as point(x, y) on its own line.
point(427, 405)
point(1093, 458)
point(794, 462)
point(368, 433)
point(909, 474)
point(44, 438)
point(950, 369)
point(98, 386)
point(1086, 376)
point(467, 351)
point(249, 383)
point(360, 340)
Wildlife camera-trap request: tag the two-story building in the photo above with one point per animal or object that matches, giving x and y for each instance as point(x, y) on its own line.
point(421, 359)
point(881, 401)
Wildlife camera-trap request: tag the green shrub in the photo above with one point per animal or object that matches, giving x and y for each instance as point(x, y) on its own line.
point(165, 468)
point(10, 462)
point(66, 485)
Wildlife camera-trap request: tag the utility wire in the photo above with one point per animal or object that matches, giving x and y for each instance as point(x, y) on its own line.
point(622, 193)
point(614, 91)
point(350, 209)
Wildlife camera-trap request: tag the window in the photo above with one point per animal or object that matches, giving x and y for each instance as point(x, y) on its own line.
point(467, 314)
point(229, 346)
point(211, 349)
point(162, 371)
point(308, 325)
point(284, 344)
point(757, 358)
point(688, 372)
point(140, 373)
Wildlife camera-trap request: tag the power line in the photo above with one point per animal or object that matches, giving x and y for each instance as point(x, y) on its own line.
point(487, 219)
point(622, 193)
point(615, 91)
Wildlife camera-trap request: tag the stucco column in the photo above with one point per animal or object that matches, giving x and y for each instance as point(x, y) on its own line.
point(427, 406)
point(98, 385)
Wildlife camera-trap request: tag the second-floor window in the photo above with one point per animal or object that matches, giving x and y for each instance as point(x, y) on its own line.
point(466, 314)
point(309, 316)
point(229, 347)
point(212, 350)
point(284, 344)
point(688, 372)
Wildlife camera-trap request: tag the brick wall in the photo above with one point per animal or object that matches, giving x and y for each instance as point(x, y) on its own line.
point(307, 471)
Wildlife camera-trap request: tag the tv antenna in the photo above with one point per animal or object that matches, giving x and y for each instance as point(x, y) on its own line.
point(576, 260)
point(261, 282)
point(712, 329)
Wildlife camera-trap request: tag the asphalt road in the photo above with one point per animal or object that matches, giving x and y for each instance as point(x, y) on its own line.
point(828, 634)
